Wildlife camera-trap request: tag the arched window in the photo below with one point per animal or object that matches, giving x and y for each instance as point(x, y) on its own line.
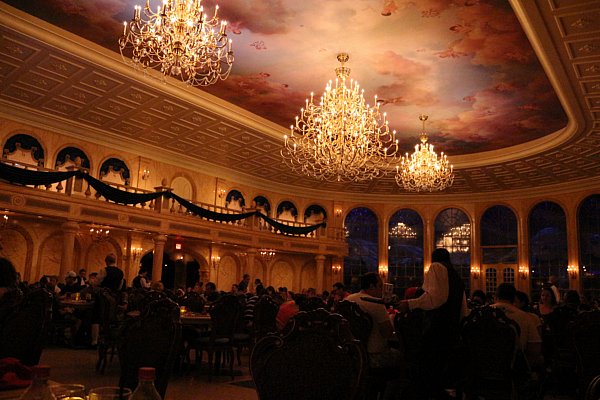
point(499, 236)
point(588, 222)
point(71, 156)
point(287, 211)
point(453, 233)
point(115, 171)
point(24, 149)
point(261, 203)
point(314, 214)
point(547, 244)
point(362, 233)
point(405, 245)
point(235, 200)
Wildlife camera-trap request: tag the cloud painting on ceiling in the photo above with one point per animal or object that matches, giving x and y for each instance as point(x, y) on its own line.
point(466, 63)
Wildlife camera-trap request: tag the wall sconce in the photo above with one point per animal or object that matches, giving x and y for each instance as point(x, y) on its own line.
point(523, 272)
point(136, 252)
point(145, 174)
point(99, 234)
point(221, 193)
point(336, 268)
point(4, 221)
point(338, 212)
point(475, 271)
point(383, 271)
point(178, 246)
point(216, 260)
point(267, 254)
point(572, 270)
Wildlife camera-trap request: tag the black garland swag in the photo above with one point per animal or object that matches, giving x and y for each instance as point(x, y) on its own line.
point(23, 176)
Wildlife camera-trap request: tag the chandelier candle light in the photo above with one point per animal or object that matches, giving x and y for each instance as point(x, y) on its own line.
point(180, 41)
point(340, 138)
point(423, 170)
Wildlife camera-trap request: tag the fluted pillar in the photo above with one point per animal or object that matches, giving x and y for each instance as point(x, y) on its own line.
point(70, 229)
point(159, 250)
point(251, 268)
point(320, 259)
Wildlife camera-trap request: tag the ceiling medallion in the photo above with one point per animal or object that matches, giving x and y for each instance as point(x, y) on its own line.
point(424, 171)
point(179, 40)
point(340, 137)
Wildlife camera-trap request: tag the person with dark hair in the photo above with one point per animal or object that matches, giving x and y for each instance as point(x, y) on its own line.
point(547, 301)
point(10, 294)
point(210, 292)
point(243, 285)
point(445, 304)
point(478, 299)
point(529, 338)
point(258, 286)
point(81, 278)
point(141, 280)
point(111, 276)
point(339, 292)
point(369, 300)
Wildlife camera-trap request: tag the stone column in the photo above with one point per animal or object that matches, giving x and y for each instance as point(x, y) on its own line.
point(320, 259)
point(573, 248)
point(70, 229)
point(251, 269)
point(159, 249)
point(523, 250)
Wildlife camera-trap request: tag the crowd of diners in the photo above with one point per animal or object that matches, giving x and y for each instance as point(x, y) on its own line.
point(441, 303)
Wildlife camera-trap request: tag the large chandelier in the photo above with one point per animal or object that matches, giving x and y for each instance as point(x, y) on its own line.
point(424, 170)
point(341, 138)
point(180, 41)
point(403, 231)
point(457, 239)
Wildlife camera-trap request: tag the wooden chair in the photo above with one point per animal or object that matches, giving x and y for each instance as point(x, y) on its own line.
point(265, 314)
point(152, 340)
point(109, 327)
point(593, 390)
point(224, 315)
point(491, 341)
point(316, 357)
point(23, 334)
point(586, 339)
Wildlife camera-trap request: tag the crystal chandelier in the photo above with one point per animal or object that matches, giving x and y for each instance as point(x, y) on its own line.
point(180, 41)
point(340, 138)
point(99, 234)
point(267, 254)
point(423, 170)
point(403, 231)
point(457, 239)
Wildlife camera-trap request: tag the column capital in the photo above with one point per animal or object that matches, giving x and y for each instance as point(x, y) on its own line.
point(159, 238)
point(320, 257)
point(70, 227)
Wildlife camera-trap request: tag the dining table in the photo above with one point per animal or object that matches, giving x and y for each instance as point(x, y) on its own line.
point(195, 318)
point(77, 304)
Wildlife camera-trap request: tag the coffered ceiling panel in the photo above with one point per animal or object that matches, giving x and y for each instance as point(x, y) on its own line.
point(498, 136)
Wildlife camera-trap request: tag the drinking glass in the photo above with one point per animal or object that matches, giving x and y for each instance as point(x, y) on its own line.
point(68, 391)
point(109, 393)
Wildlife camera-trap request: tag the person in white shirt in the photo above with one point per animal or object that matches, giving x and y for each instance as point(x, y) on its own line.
point(445, 303)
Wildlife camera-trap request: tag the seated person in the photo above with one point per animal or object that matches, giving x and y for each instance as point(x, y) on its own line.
point(71, 284)
point(210, 292)
point(378, 348)
point(10, 295)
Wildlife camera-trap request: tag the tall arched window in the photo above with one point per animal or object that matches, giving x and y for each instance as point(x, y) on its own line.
point(499, 239)
point(362, 229)
point(453, 233)
point(547, 244)
point(405, 245)
point(588, 222)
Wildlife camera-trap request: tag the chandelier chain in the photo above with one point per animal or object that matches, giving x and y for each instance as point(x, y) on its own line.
point(179, 40)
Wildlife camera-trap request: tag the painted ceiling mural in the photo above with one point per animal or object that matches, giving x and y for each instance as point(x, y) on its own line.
point(466, 63)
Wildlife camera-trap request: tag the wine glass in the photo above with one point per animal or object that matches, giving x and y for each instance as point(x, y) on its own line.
point(109, 393)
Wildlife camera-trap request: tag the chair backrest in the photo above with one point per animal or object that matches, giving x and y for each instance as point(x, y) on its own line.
point(360, 322)
point(586, 339)
point(409, 326)
point(313, 303)
point(152, 340)
point(265, 315)
point(224, 315)
point(23, 334)
point(107, 307)
point(317, 356)
point(593, 390)
point(492, 342)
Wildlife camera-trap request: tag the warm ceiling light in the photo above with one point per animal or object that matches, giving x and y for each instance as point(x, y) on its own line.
point(423, 171)
point(403, 231)
point(341, 138)
point(180, 41)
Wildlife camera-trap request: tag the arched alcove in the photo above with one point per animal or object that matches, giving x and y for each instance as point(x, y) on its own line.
point(405, 250)
point(362, 232)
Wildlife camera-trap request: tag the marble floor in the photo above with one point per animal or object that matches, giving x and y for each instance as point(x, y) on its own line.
point(78, 366)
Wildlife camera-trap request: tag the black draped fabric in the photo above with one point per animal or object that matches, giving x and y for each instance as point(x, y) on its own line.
point(120, 196)
point(291, 230)
point(211, 215)
point(29, 177)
